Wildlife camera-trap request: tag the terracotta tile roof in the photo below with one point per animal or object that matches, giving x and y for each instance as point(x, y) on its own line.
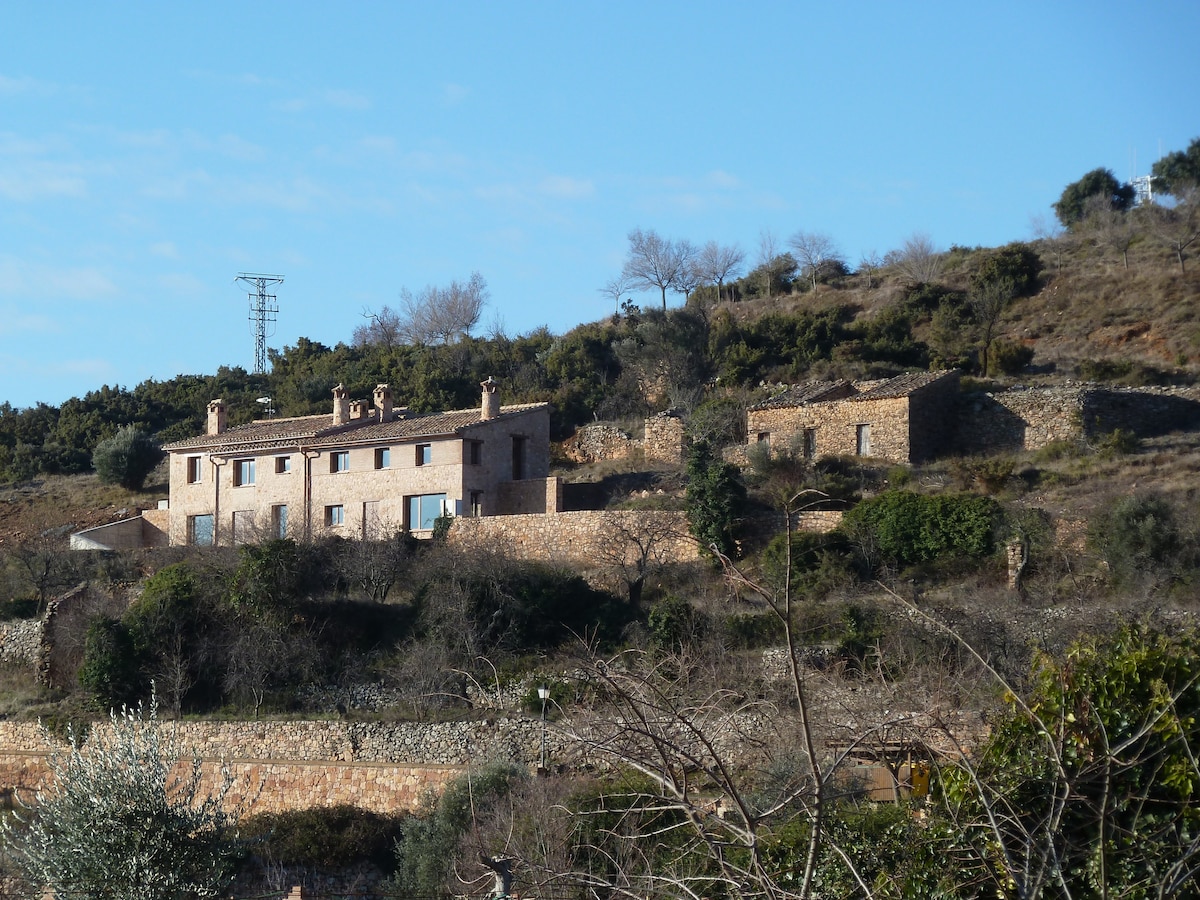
point(802, 394)
point(903, 385)
point(319, 431)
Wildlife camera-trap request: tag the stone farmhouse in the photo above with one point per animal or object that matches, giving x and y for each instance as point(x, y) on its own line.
point(363, 471)
point(906, 419)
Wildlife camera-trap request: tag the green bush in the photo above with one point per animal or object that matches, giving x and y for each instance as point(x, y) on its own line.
point(1136, 535)
point(324, 837)
point(674, 625)
point(111, 669)
point(750, 631)
point(909, 528)
point(126, 458)
point(1016, 263)
point(1008, 357)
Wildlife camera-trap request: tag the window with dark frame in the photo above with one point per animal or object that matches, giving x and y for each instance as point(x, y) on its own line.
point(518, 457)
point(335, 515)
point(243, 472)
point(424, 454)
point(383, 457)
point(283, 465)
point(193, 470)
point(475, 453)
point(339, 461)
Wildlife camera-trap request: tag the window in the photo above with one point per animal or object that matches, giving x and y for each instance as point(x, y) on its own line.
point(193, 470)
point(862, 440)
point(475, 452)
point(243, 472)
point(424, 454)
point(339, 461)
point(383, 457)
point(335, 515)
point(200, 530)
point(283, 465)
point(810, 443)
point(764, 438)
point(243, 526)
point(476, 503)
point(423, 510)
point(372, 524)
point(518, 457)
point(279, 521)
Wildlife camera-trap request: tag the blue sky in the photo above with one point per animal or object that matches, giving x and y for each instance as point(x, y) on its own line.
point(151, 151)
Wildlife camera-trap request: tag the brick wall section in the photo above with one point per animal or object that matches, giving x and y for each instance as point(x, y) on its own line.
point(836, 425)
point(584, 539)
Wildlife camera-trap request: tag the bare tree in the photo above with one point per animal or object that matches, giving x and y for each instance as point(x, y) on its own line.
point(988, 300)
point(615, 289)
point(1050, 232)
point(715, 264)
point(436, 315)
point(384, 328)
point(768, 256)
point(869, 264)
point(657, 262)
point(639, 545)
point(918, 260)
point(816, 252)
point(1114, 229)
point(1178, 226)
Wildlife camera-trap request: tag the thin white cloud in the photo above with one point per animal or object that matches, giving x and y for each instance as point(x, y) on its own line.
point(12, 87)
point(23, 184)
point(182, 283)
point(454, 94)
point(563, 187)
point(26, 282)
point(15, 321)
point(331, 97)
point(165, 249)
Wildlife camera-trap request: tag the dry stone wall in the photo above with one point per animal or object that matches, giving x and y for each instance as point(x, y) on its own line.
point(664, 440)
point(21, 641)
point(587, 539)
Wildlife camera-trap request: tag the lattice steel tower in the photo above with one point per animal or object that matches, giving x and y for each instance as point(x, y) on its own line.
point(264, 308)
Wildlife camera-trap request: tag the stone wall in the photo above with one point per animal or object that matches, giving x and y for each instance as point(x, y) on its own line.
point(1031, 418)
point(587, 539)
point(529, 496)
point(21, 641)
point(834, 425)
point(294, 765)
point(664, 439)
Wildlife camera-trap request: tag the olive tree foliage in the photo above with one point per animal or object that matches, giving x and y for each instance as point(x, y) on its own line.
point(654, 262)
point(817, 254)
point(434, 315)
point(126, 458)
point(125, 816)
point(717, 263)
point(1073, 205)
point(1178, 172)
point(918, 260)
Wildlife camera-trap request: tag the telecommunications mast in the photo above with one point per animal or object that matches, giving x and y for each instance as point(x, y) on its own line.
point(264, 308)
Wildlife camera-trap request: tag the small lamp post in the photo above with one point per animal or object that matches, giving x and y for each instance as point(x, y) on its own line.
point(544, 693)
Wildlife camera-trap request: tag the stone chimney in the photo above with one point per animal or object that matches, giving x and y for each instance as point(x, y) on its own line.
point(491, 400)
point(341, 405)
point(216, 417)
point(359, 409)
point(383, 402)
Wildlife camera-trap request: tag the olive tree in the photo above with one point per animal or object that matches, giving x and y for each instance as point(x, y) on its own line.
point(124, 816)
point(126, 458)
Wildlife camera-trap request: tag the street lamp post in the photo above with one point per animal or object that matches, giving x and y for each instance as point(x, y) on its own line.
point(544, 693)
